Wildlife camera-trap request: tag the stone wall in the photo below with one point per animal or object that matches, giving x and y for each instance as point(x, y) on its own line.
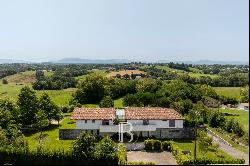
point(181, 133)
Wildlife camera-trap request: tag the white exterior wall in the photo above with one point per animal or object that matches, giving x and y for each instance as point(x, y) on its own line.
point(80, 124)
point(135, 122)
point(158, 123)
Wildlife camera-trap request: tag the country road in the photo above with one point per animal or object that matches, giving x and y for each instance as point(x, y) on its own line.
point(230, 150)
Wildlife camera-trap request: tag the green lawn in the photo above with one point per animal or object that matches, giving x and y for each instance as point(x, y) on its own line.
point(243, 116)
point(189, 145)
point(201, 74)
point(118, 103)
point(60, 97)
point(51, 136)
point(228, 91)
point(195, 70)
point(10, 91)
point(166, 68)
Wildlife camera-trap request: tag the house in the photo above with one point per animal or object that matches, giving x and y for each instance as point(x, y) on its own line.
point(145, 121)
point(244, 106)
point(92, 119)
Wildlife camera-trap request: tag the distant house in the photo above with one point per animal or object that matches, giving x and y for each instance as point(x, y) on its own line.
point(244, 106)
point(146, 121)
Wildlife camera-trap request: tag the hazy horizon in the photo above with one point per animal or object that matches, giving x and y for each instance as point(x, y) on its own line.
point(174, 30)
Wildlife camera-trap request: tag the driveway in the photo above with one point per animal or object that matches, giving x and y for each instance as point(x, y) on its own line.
point(229, 149)
point(162, 158)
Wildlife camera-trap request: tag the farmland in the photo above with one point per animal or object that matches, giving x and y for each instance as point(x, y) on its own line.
point(228, 91)
point(60, 97)
point(123, 72)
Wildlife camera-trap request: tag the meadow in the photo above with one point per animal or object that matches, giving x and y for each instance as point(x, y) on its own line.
point(228, 91)
point(193, 72)
point(50, 137)
point(243, 117)
point(60, 97)
point(210, 154)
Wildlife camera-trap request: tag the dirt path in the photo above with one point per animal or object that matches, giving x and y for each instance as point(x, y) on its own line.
point(230, 150)
point(163, 158)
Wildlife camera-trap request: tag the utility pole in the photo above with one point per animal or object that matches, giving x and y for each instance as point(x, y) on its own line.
point(195, 138)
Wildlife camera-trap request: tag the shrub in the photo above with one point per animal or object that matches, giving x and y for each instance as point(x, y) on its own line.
point(4, 81)
point(121, 154)
point(157, 145)
point(140, 163)
point(149, 144)
point(106, 102)
point(105, 149)
point(65, 109)
point(181, 158)
point(218, 161)
point(84, 145)
point(166, 145)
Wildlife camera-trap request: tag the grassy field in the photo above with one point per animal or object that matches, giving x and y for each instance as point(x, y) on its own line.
point(26, 77)
point(97, 71)
point(118, 103)
point(123, 72)
point(243, 116)
point(194, 72)
point(166, 68)
point(197, 75)
point(60, 97)
point(228, 91)
point(51, 136)
point(189, 145)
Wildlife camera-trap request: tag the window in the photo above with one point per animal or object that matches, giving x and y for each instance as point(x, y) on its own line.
point(93, 121)
point(105, 122)
point(171, 123)
point(86, 121)
point(145, 122)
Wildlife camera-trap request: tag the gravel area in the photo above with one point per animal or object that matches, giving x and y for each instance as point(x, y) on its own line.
point(163, 158)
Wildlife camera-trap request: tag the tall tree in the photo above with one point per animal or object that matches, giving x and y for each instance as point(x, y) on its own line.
point(41, 122)
point(106, 149)
point(28, 105)
point(91, 89)
point(107, 102)
point(244, 92)
point(84, 145)
point(48, 106)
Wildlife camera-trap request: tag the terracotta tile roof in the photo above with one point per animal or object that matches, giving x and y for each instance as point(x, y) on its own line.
point(93, 114)
point(151, 113)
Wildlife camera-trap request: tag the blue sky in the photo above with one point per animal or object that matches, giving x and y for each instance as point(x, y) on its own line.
point(149, 30)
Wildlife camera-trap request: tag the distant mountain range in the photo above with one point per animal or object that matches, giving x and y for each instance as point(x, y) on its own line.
point(117, 61)
point(8, 61)
point(89, 61)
